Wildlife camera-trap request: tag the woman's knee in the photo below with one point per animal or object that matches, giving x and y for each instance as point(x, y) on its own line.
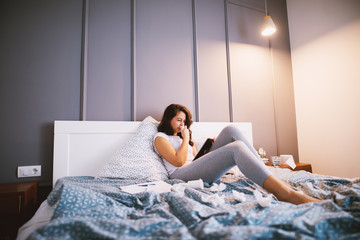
point(234, 131)
point(239, 145)
point(231, 129)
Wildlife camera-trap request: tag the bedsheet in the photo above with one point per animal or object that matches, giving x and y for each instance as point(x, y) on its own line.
point(90, 208)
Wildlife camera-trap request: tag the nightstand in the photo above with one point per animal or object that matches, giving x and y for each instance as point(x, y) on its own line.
point(299, 166)
point(18, 202)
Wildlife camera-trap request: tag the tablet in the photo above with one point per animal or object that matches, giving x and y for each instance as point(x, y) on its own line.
point(205, 148)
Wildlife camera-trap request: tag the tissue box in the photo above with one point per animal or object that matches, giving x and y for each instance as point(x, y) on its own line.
point(288, 160)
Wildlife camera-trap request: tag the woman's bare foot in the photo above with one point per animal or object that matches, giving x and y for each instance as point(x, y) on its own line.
point(299, 198)
point(283, 192)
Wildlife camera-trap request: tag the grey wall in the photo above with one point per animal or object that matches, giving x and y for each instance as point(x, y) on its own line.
point(125, 60)
point(40, 53)
point(107, 66)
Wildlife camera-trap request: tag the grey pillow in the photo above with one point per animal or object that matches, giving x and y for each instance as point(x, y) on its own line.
point(136, 159)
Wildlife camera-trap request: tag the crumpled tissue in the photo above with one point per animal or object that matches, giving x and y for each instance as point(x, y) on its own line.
point(180, 187)
point(217, 187)
point(237, 196)
point(213, 199)
point(195, 184)
point(263, 201)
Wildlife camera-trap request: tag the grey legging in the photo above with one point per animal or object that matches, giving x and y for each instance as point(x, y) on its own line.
point(229, 149)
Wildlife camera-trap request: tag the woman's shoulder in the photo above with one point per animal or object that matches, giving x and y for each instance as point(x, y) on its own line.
point(161, 134)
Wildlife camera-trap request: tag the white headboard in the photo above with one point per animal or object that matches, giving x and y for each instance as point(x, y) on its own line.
point(81, 148)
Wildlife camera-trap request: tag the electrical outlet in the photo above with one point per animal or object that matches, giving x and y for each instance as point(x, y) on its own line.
point(29, 171)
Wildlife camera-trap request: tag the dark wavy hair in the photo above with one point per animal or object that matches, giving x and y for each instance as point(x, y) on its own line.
point(169, 113)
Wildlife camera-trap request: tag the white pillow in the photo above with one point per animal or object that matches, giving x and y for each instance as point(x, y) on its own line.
point(137, 159)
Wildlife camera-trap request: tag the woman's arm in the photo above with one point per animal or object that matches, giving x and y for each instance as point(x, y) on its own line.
point(195, 151)
point(167, 151)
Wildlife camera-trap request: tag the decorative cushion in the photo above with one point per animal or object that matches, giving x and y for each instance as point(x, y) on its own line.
point(137, 159)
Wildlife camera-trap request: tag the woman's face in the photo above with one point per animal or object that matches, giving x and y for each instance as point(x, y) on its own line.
point(178, 121)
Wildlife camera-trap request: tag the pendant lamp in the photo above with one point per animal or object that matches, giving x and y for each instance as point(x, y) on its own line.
point(268, 26)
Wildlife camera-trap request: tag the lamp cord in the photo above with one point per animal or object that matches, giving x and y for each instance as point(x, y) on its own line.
point(266, 13)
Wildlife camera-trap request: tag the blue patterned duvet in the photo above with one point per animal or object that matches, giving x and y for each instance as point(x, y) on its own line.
point(89, 208)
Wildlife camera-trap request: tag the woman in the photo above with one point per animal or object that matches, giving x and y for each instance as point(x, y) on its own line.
point(174, 144)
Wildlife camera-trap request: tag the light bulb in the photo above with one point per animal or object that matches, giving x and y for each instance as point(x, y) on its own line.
point(268, 26)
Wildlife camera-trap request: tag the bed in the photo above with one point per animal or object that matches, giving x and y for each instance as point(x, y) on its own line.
point(95, 163)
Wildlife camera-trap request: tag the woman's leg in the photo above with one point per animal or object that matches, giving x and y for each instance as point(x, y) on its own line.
point(283, 192)
point(217, 162)
point(230, 134)
point(230, 149)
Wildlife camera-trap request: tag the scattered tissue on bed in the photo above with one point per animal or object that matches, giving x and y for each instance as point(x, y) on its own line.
point(195, 184)
point(217, 187)
point(89, 208)
point(263, 201)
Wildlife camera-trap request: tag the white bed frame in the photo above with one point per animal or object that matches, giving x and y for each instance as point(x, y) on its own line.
point(82, 148)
